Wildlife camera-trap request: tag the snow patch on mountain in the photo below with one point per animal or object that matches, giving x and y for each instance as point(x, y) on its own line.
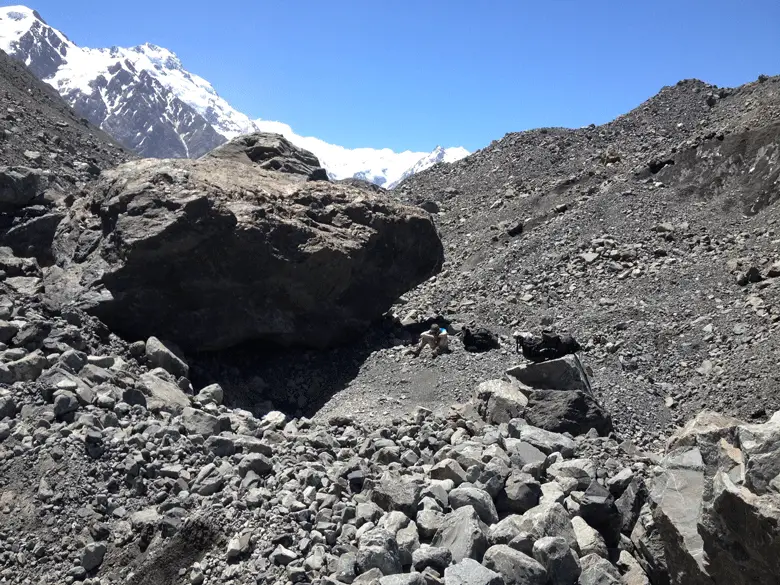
point(76, 71)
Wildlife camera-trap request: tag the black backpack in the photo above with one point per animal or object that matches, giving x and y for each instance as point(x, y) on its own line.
point(479, 340)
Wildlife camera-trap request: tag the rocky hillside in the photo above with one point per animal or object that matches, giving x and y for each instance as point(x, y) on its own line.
point(48, 155)
point(652, 238)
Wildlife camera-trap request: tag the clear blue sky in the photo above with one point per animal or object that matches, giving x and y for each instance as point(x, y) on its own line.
point(411, 74)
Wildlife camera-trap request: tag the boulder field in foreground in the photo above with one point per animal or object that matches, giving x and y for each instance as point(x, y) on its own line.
point(214, 252)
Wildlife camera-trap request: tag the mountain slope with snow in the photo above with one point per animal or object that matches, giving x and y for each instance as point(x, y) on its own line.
point(118, 90)
point(145, 98)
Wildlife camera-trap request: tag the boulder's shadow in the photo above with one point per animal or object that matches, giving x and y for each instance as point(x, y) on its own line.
point(260, 378)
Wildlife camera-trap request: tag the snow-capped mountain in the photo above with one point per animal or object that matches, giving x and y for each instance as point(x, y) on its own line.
point(119, 90)
point(439, 155)
point(145, 98)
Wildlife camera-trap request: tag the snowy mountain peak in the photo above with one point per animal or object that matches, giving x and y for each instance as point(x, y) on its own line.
point(438, 155)
point(146, 99)
point(21, 13)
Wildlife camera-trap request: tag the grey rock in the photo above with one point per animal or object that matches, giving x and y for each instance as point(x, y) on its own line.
point(566, 373)
point(7, 407)
point(597, 508)
point(552, 493)
point(211, 394)
point(223, 228)
point(378, 549)
point(271, 152)
point(255, 462)
point(166, 357)
point(514, 567)
point(428, 523)
point(92, 556)
point(7, 331)
point(201, 423)
point(403, 579)
point(392, 522)
point(395, 492)
point(371, 577)
point(19, 186)
point(479, 499)
point(523, 453)
point(740, 533)
point(630, 570)
point(408, 540)
point(649, 547)
point(282, 556)
point(596, 570)
point(73, 360)
point(470, 572)
point(676, 497)
point(431, 556)
point(521, 493)
point(238, 546)
point(448, 469)
point(549, 520)
point(65, 403)
point(28, 368)
point(523, 542)
point(547, 442)
point(574, 412)
point(630, 503)
point(618, 483)
point(500, 401)
point(345, 567)
point(506, 530)
point(561, 564)
point(589, 540)
point(583, 471)
point(162, 394)
point(134, 397)
point(463, 533)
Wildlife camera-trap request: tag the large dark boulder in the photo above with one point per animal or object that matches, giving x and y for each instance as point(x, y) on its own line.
point(567, 411)
point(214, 252)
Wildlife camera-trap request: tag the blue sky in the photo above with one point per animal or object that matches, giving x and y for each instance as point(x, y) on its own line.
point(411, 74)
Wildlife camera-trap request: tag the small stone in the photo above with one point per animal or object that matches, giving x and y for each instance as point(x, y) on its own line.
point(92, 556)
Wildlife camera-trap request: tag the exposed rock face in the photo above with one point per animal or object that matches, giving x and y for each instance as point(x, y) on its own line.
point(717, 511)
point(214, 252)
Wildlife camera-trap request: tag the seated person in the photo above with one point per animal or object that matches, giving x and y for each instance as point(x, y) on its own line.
point(436, 338)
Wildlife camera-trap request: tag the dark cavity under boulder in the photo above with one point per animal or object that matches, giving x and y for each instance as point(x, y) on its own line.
point(218, 251)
